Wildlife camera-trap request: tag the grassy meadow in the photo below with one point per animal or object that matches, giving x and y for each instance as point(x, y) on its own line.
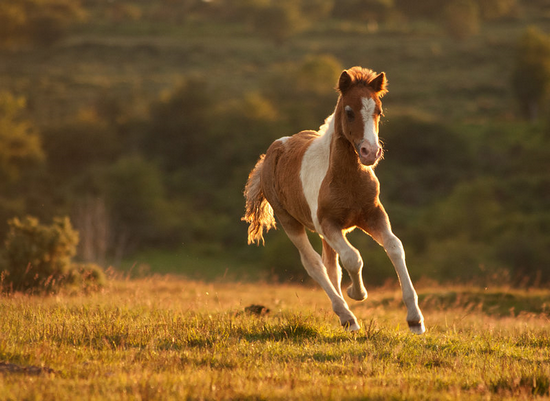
point(167, 338)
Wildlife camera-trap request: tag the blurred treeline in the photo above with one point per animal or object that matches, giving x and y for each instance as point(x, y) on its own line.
point(141, 120)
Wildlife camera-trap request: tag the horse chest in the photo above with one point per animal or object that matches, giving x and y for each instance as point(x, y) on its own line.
point(347, 199)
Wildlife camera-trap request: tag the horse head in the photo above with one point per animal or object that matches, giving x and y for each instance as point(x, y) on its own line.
point(359, 110)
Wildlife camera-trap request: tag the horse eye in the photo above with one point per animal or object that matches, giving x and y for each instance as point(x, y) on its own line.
point(349, 114)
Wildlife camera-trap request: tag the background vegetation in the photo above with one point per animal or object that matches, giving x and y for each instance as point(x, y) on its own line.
point(141, 120)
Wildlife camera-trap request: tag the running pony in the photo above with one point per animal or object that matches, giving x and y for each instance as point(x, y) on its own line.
point(324, 181)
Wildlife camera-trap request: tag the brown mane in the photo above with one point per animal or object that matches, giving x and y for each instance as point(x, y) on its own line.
point(364, 76)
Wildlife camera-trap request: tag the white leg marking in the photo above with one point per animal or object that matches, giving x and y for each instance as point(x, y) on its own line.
point(396, 253)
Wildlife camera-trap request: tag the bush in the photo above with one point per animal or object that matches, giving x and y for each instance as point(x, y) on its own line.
point(37, 22)
point(279, 21)
point(531, 75)
point(421, 160)
point(87, 276)
point(20, 144)
point(136, 203)
point(38, 257)
point(462, 19)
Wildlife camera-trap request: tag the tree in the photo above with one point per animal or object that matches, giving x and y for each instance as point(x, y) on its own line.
point(365, 10)
point(462, 18)
point(531, 75)
point(317, 10)
point(74, 147)
point(497, 9)
point(20, 144)
point(279, 20)
point(36, 21)
point(178, 134)
point(308, 83)
point(135, 201)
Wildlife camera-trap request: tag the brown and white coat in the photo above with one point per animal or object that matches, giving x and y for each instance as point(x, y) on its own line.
point(324, 181)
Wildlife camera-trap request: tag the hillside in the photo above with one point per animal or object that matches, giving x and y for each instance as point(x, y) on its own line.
point(146, 117)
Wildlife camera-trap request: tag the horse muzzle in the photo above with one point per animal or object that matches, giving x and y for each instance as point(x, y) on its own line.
point(369, 154)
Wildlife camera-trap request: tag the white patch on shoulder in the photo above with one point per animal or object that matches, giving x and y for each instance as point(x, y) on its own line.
point(315, 166)
point(283, 139)
point(369, 132)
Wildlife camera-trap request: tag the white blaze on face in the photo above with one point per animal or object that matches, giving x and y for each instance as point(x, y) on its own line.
point(370, 131)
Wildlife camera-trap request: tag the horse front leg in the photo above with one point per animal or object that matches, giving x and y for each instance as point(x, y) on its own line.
point(350, 257)
point(380, 229)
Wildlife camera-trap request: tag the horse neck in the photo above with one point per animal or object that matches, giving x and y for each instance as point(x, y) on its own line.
point(343, 157)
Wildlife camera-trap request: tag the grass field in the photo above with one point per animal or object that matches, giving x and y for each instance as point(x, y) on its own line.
point(166, 338)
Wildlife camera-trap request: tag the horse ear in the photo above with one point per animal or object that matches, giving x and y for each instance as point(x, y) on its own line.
point(344, 82)
point(380, 84)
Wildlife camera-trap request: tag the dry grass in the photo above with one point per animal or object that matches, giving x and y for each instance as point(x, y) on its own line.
point(166, 338)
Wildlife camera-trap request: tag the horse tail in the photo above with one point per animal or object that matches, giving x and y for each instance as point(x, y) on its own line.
point(259, 213)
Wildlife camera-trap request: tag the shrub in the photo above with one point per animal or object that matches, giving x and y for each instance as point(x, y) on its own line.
point(37, 22)
point(87, 276)
point(279, 21)
point(461, 18)
point(531, 75)
point(38, 257)
point(20, 145)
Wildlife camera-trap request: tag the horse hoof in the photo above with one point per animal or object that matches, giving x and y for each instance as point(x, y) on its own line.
point(351, 326)
point(361, 296)
point(417, 327)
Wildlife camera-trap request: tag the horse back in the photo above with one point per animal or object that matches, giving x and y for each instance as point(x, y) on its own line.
point(280, 177)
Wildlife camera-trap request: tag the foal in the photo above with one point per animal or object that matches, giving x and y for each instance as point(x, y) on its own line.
point(324, 181)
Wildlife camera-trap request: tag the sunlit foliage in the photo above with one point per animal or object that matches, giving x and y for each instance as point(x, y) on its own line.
point(144, 123)
point(36, 22)
point(531, 76)
point(38, 258)
point(20, 144)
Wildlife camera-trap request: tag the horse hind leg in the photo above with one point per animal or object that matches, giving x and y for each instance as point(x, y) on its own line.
point(330, 260)
point(313, 264)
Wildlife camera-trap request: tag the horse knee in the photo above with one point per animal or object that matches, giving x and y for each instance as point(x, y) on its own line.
point(394, 248)
point(352, 261)
point(314, 266)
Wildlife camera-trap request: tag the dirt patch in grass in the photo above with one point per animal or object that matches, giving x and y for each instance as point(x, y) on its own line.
point(7, 367)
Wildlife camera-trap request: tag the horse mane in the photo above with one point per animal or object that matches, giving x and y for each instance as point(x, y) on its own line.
point(326, 125)
point(364, 76)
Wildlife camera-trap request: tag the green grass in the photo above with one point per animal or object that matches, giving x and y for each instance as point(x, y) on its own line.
point(202, 266)
point(165, 338)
